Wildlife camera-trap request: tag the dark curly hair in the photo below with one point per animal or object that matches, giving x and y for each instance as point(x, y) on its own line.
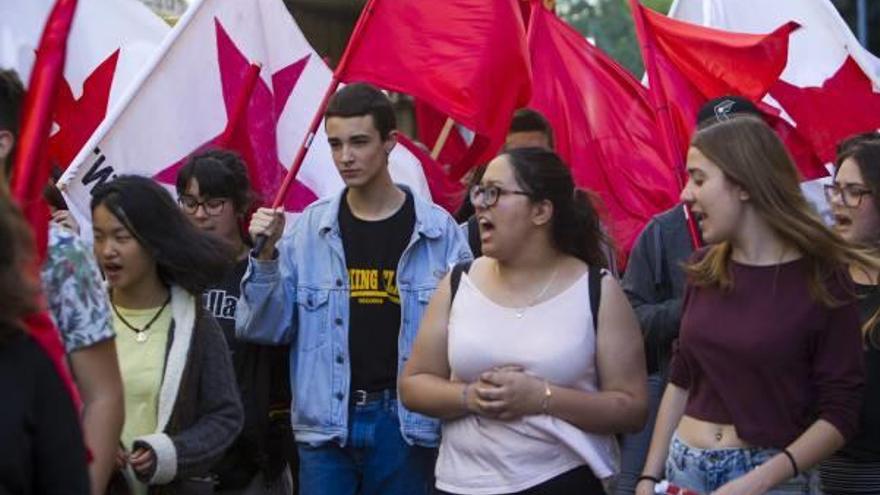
point(221, 174)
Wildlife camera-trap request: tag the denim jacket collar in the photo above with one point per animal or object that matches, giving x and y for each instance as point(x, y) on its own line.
point(427, 225)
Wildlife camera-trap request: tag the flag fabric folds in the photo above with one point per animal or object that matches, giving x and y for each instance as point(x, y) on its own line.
point(231, 74)
point(109, 43)
point(830, 87)
point(688, 64)
point(466, 58)
point(30, 171)
point(604, 126)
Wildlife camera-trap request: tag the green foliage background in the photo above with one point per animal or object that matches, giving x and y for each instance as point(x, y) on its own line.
point(609, 23)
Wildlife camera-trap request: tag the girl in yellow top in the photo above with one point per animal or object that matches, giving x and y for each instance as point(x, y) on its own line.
point(181, 401)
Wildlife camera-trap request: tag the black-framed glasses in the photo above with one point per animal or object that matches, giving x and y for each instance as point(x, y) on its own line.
point(212, 206)
point(850, 195)
point(488, 195)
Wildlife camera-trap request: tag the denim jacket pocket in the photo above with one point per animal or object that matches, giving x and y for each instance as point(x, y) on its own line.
point(314, 315)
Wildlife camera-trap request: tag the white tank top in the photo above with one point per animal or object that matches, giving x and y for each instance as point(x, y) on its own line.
point(554, 340)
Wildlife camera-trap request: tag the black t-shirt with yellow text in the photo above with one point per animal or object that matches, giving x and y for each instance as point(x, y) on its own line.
point(372, 254)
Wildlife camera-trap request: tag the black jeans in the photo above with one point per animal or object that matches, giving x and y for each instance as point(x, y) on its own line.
point(578, 481)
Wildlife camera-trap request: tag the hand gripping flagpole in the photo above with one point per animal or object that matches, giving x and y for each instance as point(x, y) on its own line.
point(661, 109)
point(260, 241)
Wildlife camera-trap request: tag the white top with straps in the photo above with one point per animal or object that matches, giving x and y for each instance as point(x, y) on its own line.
point(554, 340)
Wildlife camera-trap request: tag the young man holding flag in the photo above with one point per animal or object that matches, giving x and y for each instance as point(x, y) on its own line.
point(346, 289)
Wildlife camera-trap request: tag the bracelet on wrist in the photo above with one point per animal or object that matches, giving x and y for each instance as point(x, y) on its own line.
point(545, 401)
point(646, 477)
point(794, 466)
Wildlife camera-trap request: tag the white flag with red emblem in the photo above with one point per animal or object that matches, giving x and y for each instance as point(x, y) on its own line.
point(109, 43)
point(830, 87)
point(232, 74)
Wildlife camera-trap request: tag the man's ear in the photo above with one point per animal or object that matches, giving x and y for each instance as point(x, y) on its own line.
point(390, 142)
point(542, 212)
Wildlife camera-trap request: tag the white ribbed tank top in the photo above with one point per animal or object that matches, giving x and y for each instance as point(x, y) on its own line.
point(554, 340)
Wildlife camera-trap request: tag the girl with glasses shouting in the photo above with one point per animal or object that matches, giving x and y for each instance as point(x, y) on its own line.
point(182, 408)
point(530, 383)
point(855, 468)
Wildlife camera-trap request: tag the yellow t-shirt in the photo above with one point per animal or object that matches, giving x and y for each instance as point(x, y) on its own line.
point(142, 365)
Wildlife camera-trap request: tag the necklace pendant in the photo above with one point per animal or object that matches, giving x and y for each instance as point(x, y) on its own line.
point(141, 337)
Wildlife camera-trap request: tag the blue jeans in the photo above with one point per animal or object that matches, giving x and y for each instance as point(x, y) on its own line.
point(376, 460)
point(634, 447)
point(706, 470)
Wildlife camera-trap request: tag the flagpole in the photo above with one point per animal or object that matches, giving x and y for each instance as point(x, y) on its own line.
point(661, 109)
point(442, 138)
point(366, 14)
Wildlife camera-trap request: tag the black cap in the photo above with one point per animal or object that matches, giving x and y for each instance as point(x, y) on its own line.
point(723, 107)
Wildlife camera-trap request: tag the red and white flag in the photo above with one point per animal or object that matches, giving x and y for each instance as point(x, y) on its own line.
point(688, 64)
point(109, 43)
point(233, 74)
point(830, 87)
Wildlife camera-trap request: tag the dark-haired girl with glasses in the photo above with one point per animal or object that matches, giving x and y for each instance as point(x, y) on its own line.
point(511, 355)
point(214, 192)
point(855, 469)
point(182, 408)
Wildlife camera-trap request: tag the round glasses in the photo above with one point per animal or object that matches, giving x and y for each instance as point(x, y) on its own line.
point(850, 195)
point(212, 206)
point(488, 195)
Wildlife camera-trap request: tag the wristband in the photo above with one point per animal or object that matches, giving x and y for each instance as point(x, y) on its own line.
point(794, 466)
point(646, 477)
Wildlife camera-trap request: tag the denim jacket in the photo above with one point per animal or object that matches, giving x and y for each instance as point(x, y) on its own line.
point(301, 298)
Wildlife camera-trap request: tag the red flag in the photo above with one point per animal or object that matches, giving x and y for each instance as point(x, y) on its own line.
point(31, 168)
point(689, 64)
point(429, 123)
point(445, 191)
point(844, 105)
point(826, 87)
point(603, 124)
point(466, 58)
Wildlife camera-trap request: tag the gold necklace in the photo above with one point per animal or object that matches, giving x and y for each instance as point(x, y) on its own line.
point(521, 311)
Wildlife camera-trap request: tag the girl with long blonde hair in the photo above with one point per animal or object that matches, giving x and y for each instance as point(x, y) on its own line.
point(766, 380)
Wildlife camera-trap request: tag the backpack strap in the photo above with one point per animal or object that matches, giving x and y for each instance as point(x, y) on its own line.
point(473, 233)
point(596, 274)
point(455, 277)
